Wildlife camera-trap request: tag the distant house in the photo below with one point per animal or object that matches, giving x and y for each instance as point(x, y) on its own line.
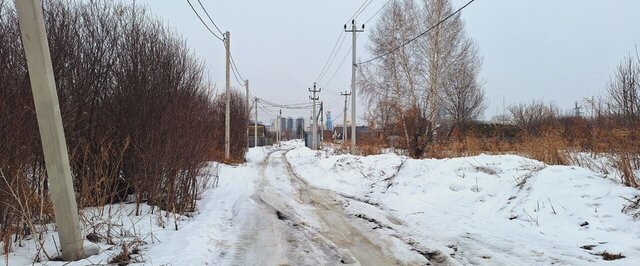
point(263, 139)
point(361, 132)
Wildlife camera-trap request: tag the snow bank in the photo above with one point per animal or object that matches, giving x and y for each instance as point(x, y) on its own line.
point(201, 238)
point(485, 209)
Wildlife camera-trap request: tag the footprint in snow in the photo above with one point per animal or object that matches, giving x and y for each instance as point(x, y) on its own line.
point(456, 187)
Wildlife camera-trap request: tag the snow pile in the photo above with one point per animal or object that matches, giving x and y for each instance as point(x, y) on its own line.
point(202, 237)
point(485, 209)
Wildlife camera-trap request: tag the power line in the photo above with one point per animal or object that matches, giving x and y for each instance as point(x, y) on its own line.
point(344, 37)
point(234, 70)
point(419, 35)
point(338, 69)
point(210, 19)
point(356, 13)
point(330, 56)
point(336, 118)
point(297, 106)
point(203, 23)
point(334, 51)
point(365, 7)
point(379, 10)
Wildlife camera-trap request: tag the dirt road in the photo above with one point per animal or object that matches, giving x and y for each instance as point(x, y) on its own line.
point(293, 223)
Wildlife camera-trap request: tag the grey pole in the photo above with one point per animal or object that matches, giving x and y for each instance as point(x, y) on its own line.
point(354, 30)
point(246, 86)
point(255, 126)
point(227, 114)
point(314, 118)
point(321, 124)
point(54, 146)
point(344, 118)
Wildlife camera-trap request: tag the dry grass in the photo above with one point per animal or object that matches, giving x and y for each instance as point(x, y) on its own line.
point(553, 145)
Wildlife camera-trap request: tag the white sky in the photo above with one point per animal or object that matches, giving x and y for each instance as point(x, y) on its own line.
point(560, 51)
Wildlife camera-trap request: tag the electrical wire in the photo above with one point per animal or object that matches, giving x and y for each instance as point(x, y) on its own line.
point(235, 75)
point(297, 106)
point(356, 13)
point(341, 39)
point(365, 7)
point(418, 36)
point(379, 10)
point(203, 23)
point(326, 64)
point(210, 19)
point(344, 37)
point(339, 68)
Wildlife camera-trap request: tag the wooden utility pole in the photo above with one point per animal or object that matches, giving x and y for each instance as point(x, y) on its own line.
point(54, 146)
point(344, 118)
point(227, 114)
point(354, 30)
point(314, 117)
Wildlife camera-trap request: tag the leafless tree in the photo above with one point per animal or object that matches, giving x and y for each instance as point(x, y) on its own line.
point(624, 90)
point(139, 116)
point(463, 96)
point(533, 117)
point(413, 91)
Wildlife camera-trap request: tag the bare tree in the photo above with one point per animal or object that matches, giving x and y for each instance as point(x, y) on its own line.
point(414, 90)
point(534, 116)
point(623, 90)
point(463, 96)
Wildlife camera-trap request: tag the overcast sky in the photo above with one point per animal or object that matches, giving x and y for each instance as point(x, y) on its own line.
point(556, 50)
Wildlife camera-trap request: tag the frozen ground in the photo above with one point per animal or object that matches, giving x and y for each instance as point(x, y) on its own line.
point(490, 210)
point(294, 206)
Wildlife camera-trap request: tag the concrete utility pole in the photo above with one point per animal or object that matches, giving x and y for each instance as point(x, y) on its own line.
point(279, 127)
point(354, 30)
point(246, 86)
point(255, 126)
point(344, 118)
point(54, 146)
point(227, 114)
point(314, 117)
point(321, 125)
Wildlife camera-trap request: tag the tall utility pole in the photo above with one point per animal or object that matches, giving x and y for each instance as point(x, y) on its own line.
point(255, 126)
point(227, 114)
point(321, 124)
point(344, 117)
point(314, 117)
point(279, 127)
point(54, 146)
point(354, 30)
point(246, 86)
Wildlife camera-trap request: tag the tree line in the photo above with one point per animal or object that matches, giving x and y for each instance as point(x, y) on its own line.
point(141, 117)
point(428, 93)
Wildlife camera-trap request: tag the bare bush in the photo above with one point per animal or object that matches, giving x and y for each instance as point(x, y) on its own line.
point(535, 116)
point(139, 117)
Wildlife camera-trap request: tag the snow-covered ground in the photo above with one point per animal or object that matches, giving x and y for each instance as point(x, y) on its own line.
point(505, 210)
point(295, 206)
point(205, 238)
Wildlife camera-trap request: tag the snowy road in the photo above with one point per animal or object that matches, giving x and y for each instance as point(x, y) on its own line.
point(295, 206)
point(292, 223)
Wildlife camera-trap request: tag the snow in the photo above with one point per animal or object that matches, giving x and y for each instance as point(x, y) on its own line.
point(199, 240)
point(292, 205)
point(500, 209)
